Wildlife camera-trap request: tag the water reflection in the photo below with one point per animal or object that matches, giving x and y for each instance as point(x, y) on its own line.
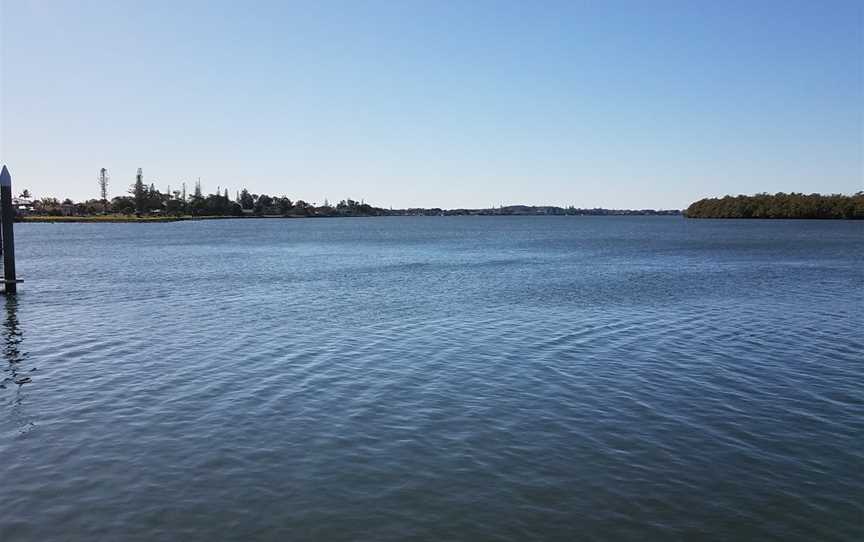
point(16, 375)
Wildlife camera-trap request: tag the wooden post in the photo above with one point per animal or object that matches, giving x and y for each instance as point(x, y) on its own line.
point(8, 218)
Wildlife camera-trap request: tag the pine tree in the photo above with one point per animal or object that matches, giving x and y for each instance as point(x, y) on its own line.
point(139, 191)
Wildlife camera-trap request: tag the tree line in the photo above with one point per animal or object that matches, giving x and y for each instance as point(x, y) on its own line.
point(145, 200)
point(780, 205)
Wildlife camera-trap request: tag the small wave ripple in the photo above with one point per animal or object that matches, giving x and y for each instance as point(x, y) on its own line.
point(523, 380)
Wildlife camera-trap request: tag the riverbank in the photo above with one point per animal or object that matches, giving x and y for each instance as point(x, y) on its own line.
point(780, 205)
point(132, 218)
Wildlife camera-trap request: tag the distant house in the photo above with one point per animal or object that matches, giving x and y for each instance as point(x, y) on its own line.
point(23, 207)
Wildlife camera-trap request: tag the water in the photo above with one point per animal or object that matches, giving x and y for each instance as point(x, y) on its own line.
point(466, 378)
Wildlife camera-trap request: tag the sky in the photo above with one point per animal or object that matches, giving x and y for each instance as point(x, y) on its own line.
point(638, 104)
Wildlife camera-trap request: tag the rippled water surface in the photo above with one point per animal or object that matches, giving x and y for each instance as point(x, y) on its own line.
point(474, 379)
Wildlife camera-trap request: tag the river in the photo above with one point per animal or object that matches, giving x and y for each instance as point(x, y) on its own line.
point(432, 378)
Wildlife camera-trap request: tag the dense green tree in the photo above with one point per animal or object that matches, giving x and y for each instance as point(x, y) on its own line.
point(246, 200)
point(139, 193)
point(780, 205)
point(175, 207)
point(197, 205)
point(284, 204)
point(123, 205)
point(302, 208)
point(263, 204)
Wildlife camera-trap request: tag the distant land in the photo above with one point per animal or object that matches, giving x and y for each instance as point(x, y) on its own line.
point(780, 205)
point(147, 204)
point(75, 213)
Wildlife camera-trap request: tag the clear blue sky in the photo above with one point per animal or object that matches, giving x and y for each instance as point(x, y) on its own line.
point(408, 103)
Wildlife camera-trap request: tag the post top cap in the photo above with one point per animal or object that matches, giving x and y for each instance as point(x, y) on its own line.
point(5, 178)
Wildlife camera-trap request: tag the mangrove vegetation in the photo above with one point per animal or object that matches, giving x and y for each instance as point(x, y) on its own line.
point(780, 205)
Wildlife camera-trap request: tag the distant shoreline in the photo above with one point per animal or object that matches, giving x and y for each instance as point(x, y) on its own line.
point(792, 206)
point(150, 205)
point(219, 207)
point(127, 219)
